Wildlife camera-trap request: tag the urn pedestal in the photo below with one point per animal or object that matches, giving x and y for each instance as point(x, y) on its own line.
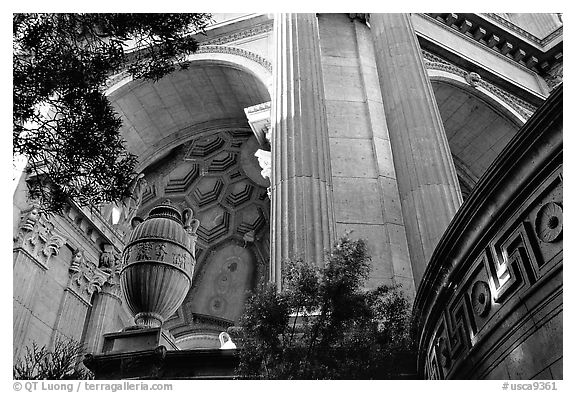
point(155, 277)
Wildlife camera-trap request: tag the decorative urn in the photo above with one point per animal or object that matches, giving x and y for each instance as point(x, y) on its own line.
point(158, 264)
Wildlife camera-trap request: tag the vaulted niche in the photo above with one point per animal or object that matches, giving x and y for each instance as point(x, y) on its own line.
point(477, 130)
point(196, 148)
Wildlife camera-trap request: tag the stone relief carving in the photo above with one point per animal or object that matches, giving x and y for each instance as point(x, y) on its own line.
point(265, 161)
point(549, 223)
point(481, 298)
point(109, 258)
point(37, 236)
point(85, 276)
point(513, 263)
point(473, 79)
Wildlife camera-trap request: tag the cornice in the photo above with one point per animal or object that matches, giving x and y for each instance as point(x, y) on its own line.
point(260, 29)
point(513, 27)
point(516, 46)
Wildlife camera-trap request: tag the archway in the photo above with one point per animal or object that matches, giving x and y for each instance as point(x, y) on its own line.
point(477, 127)
point(195, 147)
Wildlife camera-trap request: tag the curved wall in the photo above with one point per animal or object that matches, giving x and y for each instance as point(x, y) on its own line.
point(490, 303)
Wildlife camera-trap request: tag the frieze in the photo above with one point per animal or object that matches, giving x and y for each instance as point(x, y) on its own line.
point(510, 265)
point(481, 298)
point(156, 251)
point(434, 62)
point(549, 223)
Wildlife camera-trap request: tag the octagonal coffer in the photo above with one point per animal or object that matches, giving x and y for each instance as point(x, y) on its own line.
point(158, 264)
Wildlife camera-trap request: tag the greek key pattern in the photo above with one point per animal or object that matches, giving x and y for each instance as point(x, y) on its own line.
point(512, 262)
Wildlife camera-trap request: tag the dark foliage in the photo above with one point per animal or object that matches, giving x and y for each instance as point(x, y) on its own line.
point(324, 325)
point(60, 363)
point(62, 121)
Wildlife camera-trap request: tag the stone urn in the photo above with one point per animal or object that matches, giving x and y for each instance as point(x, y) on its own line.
point(158, 264)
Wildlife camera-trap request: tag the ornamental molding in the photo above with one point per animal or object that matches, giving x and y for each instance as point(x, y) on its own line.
point(86, 277)
point(259, 120)
point(240, 35)
point(555, 75)
point(232, 50)
point(208, 46)
point(524, 33)
point(434, 62)
point(36, 236)
point(517, 51)
point(513, 27)
point(490, 264)
point(92, 226)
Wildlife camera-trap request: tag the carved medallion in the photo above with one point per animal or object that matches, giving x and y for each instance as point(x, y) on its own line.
point(481, 298)
point(549, 222)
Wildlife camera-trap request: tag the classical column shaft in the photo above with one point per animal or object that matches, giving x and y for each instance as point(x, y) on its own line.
point(106, 305)
point(427, 181)
point(302, 222)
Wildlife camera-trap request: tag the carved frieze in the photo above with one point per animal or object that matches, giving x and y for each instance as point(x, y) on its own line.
point(510, 266)
point(498, 272)
point(481, 298)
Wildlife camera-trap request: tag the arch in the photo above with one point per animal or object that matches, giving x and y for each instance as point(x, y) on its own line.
point(216, 54)
point(507, 109)
point(209, 95)
point(478, 124)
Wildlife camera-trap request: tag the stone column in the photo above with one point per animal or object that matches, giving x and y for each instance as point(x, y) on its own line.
point(427, 181)
point(302, 221)
point(35, 244)
point(105, 308)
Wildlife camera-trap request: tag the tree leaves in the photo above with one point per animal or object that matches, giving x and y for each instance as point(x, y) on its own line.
point(57, 364)
point(325, 325)
point(62, 121)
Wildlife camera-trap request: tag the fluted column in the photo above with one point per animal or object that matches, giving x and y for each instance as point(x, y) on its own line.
point(102, 320)
point(302, 221)
point(427, 181)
